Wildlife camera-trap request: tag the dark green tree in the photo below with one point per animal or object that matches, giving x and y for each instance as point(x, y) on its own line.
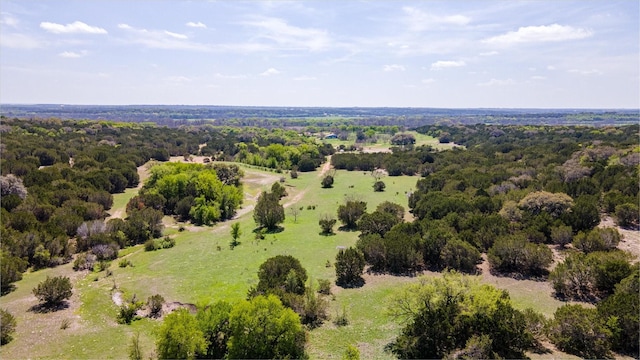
point(580, 331)
point(53, 291)
point(460, 255)
point(621, 311)
point(268, 212)
point(281, 274)
point(349, 267)
point(350, 212)
point(7, 326)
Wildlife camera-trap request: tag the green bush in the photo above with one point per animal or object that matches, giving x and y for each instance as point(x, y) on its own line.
point(579, 331)
point(150, 245)
point(7, 326)
point(53, 290)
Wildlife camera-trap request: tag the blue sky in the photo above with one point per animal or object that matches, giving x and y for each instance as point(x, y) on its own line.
point(461, 54)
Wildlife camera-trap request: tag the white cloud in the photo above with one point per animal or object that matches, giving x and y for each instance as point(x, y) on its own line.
point(544, 33)
point(538, 77)
point(223, 76)
point(442, 64)
point(270, 72)
point(161, 39)
point(77, 27)
point(305, 78)
point(290, 36)
point(176, 35)
point(8, 20)
point(489, 53)
point(196, 25)
point(551, 67)
point(20, 41)
point(178, 79)
point(428, 81)
point(497, 82)
point(394, 67)
point(72, 54)
point(418, 20)
point(585, 72)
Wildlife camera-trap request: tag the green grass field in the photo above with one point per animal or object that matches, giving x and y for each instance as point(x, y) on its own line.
point(201, 268)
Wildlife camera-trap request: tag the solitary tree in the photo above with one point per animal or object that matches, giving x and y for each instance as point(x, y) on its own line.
point(53, 291)
point(327, 181)
point(268, 212)
point(235, 234)
point(326, 223)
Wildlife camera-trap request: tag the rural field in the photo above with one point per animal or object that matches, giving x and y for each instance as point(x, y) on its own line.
point(201, 268)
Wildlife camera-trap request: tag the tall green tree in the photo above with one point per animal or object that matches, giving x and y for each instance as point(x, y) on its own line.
point(262, 328)
point(349, 266)
point(268, 212)
point(180, 337)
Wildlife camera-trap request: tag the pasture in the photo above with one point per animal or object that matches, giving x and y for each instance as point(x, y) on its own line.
point(201, 268)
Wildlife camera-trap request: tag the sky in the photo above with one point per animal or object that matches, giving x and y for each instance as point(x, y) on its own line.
point(442, 54)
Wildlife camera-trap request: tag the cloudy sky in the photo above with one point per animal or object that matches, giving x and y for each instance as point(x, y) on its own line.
point(507, 54)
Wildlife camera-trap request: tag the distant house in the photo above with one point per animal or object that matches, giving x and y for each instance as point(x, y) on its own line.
point(331, 136)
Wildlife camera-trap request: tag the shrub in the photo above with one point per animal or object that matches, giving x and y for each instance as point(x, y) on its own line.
point(326, 224)
point(128, 311)
point(379, 186)
point(124, 263)
point(627, 215)
point(341, 318)
point(167, 242)
point(516, 254)
point(561, 235)
point(597, 240)
point(349, 266)
point(324, 286)
point(84, 261)
point(7, 326)
point(579, 331)
point(150, 245)
point(589, 277)
point(155, 303)
point(327, 181)
point(352, 353)
point(460, 255)
point(53, 290)
point(135, 350)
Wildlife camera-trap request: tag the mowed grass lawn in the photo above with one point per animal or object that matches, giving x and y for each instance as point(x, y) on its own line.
point(201, 269)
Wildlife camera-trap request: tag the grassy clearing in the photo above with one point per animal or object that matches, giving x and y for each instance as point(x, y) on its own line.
point(201, 268)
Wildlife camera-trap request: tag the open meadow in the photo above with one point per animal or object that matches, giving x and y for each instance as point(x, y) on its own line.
point(201, 268)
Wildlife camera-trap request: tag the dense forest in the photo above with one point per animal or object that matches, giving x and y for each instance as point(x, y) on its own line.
point(521, 196)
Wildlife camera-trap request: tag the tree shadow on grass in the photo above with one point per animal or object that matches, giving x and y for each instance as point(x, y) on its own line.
point(539, 276)
point(44, 308)
point(327, 234)
point(7, 289)
point(354, 284)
